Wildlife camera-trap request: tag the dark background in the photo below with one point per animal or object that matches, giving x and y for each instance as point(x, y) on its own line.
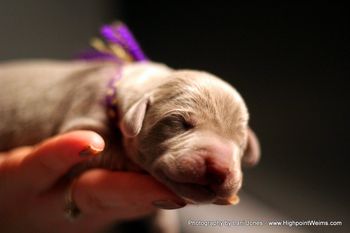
point(289, 61)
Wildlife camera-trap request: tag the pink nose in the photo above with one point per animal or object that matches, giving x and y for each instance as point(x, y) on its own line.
point(208, 166)
point(214, 174)
point(218, 162)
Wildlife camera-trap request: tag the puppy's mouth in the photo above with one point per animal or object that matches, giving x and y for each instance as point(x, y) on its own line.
point(191, 192)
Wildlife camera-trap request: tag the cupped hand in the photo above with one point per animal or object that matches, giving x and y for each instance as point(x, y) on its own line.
point(32, 194)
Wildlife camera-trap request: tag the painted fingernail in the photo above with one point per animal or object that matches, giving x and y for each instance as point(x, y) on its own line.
point(168, 204)
point(89, 151)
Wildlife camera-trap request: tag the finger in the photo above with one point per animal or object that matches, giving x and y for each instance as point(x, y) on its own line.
point(53, 158)
point(9, 162)
point(18, 150)
point(133, 194)
point(16, 154)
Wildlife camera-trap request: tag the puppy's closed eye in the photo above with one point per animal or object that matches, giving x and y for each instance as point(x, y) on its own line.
point(171, 126)
point(177, 123)
point(168, 127)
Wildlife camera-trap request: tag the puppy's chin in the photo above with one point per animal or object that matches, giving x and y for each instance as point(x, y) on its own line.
point(194, 193)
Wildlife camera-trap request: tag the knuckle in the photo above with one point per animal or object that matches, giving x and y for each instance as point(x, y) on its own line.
point(49, 166)
point(52, 163)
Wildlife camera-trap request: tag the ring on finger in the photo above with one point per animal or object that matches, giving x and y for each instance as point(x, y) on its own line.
point(71, 210)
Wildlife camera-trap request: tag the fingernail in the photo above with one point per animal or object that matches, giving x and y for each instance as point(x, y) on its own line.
point(168, 204)
point(89, 151)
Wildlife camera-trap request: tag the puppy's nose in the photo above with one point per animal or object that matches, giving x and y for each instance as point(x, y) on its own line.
point(214, 174)
point(222, 173)
point(213, 164)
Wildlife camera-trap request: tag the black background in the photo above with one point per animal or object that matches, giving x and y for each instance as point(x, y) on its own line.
point(289, 61)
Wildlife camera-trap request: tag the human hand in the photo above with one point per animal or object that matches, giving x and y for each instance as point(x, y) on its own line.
point(32, 193)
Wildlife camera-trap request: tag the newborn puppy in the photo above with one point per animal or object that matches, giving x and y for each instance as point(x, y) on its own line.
point(189, 129)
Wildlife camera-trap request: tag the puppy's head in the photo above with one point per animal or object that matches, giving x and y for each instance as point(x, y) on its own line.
point(191, 133)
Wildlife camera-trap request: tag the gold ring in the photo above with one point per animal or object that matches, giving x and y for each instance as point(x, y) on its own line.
point(71, 210)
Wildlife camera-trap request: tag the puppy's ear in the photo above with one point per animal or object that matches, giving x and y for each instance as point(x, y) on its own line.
point(251, 155)
point(132, 121)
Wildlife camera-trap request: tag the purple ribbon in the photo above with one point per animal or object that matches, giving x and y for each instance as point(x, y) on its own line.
point(117, 34)
point(120, 34)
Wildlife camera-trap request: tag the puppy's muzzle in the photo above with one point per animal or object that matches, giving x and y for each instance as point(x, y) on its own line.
point(212, 167)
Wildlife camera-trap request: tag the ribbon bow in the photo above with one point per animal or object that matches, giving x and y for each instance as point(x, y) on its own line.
point(117, 43)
